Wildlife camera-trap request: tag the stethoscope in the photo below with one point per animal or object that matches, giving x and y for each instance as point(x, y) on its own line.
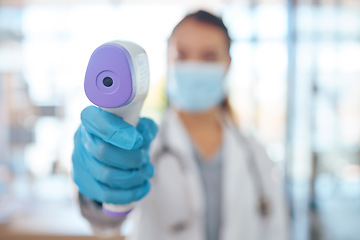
point(263, 205)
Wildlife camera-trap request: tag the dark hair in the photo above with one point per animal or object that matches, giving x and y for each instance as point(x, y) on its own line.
point(206, 17)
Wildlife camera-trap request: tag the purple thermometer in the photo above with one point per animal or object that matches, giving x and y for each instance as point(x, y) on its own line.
point(117, 80)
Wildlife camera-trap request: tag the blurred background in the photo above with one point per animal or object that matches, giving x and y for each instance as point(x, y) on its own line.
point(295, 84)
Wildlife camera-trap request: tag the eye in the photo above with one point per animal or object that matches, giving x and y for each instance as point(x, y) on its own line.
point(181, 55)
point(210, 56)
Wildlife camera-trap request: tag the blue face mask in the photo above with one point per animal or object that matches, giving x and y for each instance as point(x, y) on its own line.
point(196, 86)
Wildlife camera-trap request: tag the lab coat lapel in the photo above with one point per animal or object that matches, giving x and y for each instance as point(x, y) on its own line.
point(238, 201)
point(178, 141)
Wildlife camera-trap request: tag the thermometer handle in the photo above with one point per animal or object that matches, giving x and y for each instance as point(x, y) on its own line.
point(129, 114)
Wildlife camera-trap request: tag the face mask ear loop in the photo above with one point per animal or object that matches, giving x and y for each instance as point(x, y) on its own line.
point(226, 81)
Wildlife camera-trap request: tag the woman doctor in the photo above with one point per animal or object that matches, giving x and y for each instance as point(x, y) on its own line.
point(210, 182)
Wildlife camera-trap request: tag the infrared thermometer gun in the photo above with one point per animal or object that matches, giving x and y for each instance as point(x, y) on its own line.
point(117, 80)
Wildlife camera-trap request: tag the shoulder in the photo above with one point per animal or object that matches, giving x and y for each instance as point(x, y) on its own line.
point(163, 129)
point(171, 134)
point(167, 127)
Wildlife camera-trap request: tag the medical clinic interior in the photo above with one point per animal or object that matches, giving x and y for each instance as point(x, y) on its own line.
point(293, 84)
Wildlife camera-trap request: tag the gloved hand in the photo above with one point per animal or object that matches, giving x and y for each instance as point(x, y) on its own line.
point(110, 159)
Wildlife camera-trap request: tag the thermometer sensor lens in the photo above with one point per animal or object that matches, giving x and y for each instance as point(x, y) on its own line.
point(108, 82)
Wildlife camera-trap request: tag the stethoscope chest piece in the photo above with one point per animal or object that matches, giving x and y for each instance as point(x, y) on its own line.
point(264, 207)
point(179, 227)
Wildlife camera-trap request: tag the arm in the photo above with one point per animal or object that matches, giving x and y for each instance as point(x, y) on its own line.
point(102, 224)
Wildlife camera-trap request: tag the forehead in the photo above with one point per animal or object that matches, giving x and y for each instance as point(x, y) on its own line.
point(194, 34)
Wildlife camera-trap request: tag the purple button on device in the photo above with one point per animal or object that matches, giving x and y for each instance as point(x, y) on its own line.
point(109, 76)
point(116, 214)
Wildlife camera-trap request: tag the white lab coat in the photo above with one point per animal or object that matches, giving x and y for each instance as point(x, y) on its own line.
point(174, 208)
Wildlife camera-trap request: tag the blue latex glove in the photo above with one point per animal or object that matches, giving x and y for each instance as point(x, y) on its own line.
point(110, 159)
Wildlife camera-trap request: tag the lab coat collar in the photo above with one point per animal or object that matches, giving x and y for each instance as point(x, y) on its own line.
point(174, 135)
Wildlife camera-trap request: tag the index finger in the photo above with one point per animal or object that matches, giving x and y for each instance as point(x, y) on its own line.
point(111, 128)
